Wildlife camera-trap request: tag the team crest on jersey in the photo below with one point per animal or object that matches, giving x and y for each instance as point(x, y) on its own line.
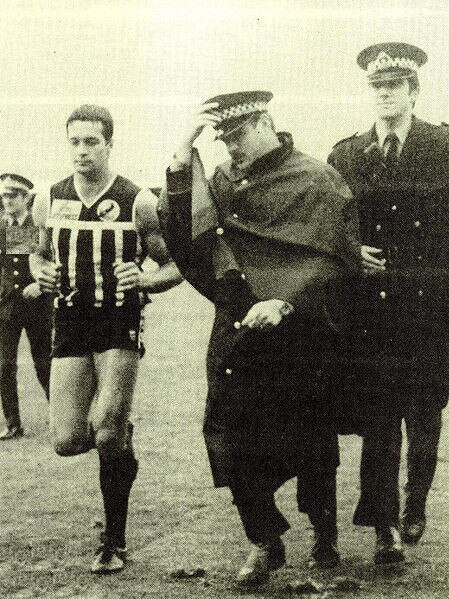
point(108, 210)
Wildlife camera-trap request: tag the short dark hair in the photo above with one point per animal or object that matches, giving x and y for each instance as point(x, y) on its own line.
point(93, 113)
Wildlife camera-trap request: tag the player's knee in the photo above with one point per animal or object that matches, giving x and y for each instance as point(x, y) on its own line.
point(72, 445)
point(108, 442)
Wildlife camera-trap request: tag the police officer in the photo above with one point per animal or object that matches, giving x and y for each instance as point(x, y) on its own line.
point(22, 305)
point(398, 349)
point(262, 240)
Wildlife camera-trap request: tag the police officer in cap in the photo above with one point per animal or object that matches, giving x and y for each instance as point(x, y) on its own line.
point(262, 240)
point(22, 305)
point(397, 353)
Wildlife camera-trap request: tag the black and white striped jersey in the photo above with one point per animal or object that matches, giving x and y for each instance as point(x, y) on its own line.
point(89, 240)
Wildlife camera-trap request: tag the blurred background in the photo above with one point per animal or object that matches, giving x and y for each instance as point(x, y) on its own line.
point(152, 61)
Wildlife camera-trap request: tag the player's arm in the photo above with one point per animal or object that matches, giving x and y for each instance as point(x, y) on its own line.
point(167, 274)
point(43, 269)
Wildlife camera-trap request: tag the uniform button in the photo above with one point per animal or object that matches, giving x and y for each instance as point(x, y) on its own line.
point(378, 227)
point(243, 276)
point(420, 293)
point(244, 181)
point(394, 208)
point(235, 215)
point(237, 325)
point(383, 294)
point(15, 259)
point(417, 224)
point(16, 273)
point(16, 286)
point(419, 258)
point(228, 371)
point(220, 231)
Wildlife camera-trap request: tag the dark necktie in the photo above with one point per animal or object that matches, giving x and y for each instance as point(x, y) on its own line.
point(14, 222)
point(391, 157)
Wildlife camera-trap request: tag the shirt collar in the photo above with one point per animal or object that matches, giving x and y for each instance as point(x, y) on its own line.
point(9, 219)
point(402, 131)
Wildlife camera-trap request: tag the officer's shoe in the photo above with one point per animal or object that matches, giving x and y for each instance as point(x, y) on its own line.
point(262, 559)
point(11, 432)
point(324, 553)
point(108, 559)
point(412, 528)
point(389, 548)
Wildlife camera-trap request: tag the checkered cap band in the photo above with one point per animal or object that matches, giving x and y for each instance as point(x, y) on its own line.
point(239, 110)
point(385, 62)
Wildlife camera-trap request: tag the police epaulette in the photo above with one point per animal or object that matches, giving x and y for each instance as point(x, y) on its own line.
point(443, 124)
point(345, 139)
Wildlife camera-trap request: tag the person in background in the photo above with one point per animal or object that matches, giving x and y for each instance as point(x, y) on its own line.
point(396, 361)
point(22, 304)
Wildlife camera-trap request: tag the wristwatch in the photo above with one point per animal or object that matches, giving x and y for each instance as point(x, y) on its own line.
point(286, 309)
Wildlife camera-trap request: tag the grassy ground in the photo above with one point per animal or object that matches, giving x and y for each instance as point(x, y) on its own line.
point(50, 507)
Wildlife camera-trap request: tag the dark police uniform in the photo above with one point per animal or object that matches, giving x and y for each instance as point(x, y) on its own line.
point(283, 229)
point(397, 354)
point(17, 241)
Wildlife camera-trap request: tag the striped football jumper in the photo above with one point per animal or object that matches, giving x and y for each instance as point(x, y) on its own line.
point(89, 242)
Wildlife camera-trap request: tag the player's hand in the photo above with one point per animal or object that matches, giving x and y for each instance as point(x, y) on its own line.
point(201, 118)
point(370, 263)
point(32, 291)
point(128, 276)
point(49, 278)
point(264, 315)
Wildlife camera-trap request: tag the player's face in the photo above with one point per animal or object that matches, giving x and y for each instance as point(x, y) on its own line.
point(15, 202)
point(89, 149)
point(247, 143)
point(392, 98)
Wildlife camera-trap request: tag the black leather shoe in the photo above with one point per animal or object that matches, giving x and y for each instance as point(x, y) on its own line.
point(389, 548)
point(262, 559)
point(412, 528)
point(324, 554)
point(11, 432)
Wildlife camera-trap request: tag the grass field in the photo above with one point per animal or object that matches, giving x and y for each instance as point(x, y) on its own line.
point(50, 507)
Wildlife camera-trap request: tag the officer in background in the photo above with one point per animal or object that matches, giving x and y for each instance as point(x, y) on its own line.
point(22, 305)
point(397, 363)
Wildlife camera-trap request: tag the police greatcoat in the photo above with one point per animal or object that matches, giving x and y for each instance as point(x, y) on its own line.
point(398, 342)
point(282, 229)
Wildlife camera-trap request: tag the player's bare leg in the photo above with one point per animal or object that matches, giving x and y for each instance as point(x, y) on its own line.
point(72, 388)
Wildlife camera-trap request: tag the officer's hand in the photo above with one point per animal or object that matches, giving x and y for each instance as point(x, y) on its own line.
point(128, 276)
point(32, 291)
point(370, 263)
point(49, 277)
point(264, 315)
point(201, 118)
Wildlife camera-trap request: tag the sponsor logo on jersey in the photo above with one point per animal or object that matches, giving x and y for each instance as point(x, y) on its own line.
point(108, 210)
point(65, 209)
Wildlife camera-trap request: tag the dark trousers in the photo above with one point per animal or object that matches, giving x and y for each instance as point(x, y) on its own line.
point(37, 324)
point(381, 456)
point(423, 425)
point(255, 481)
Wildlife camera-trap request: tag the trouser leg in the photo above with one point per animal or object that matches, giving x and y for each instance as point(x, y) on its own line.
point(423, 424)
point(253, 486)
point(9, 342)
point(379, 477)
point(38, 330)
